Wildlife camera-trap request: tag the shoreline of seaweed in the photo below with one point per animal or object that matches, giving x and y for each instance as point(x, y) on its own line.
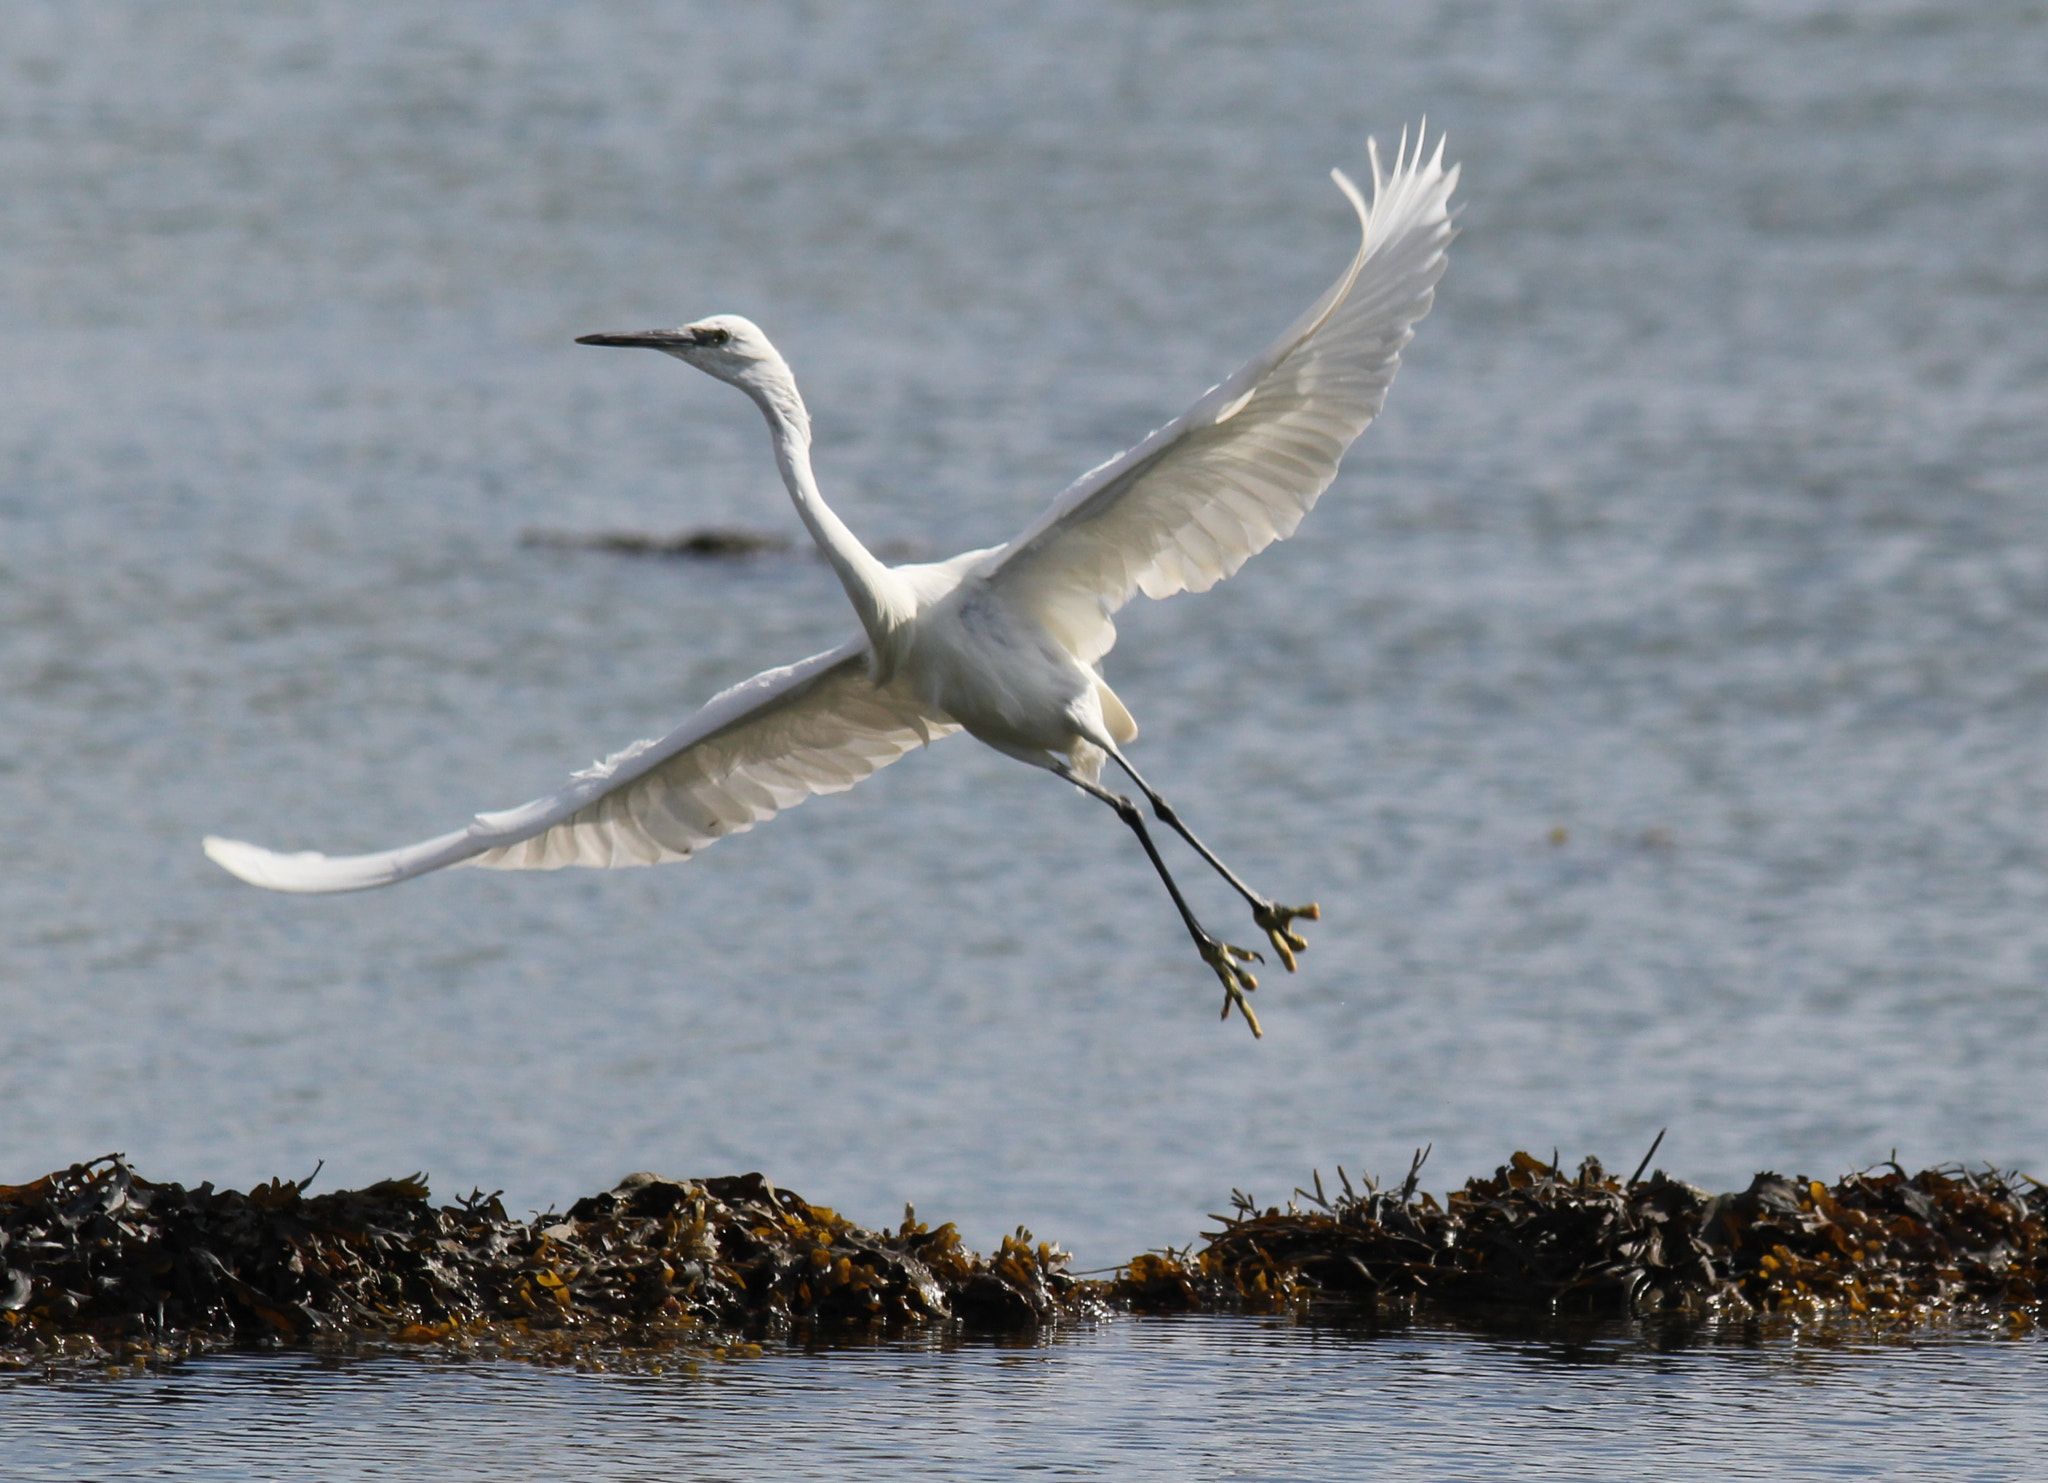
point(104, 1270)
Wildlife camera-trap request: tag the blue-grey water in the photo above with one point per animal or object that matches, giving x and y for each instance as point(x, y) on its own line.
point(1656, 704)
point(1209, 1399)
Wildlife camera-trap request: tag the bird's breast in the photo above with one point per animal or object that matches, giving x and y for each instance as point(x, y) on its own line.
point(997, 673)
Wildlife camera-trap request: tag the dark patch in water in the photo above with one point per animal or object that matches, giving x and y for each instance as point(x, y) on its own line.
point(711, 543)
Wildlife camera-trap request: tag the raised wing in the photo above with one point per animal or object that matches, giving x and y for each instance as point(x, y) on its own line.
point(1239, 469)
point(768, 743)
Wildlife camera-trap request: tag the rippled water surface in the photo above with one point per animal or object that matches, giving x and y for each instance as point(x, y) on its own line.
point(1184, 1398)
point(1655, 704)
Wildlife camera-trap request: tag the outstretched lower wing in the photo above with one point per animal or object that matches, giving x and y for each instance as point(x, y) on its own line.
point(768, 743)
point(1239, 469)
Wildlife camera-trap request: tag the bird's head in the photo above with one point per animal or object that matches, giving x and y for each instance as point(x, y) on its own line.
point(725, 345)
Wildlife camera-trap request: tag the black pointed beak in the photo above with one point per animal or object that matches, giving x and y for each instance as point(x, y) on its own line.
point(645, 339)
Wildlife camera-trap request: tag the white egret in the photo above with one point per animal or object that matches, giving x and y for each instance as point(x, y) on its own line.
point(1004, 643)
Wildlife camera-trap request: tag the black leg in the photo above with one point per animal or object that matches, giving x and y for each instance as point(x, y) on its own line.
point(1226, 960)
point(1274, 919)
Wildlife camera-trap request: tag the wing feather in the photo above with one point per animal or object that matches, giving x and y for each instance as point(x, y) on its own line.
point(1238, 470)
point(768, 743)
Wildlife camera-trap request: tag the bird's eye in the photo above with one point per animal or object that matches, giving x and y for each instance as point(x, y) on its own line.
point(713, 337)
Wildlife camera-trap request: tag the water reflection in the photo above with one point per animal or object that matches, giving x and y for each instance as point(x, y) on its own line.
point(1206, 1397)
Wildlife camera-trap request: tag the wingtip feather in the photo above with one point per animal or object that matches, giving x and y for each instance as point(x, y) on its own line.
point(258, 866)
point(1352, 194)
point(308, 872)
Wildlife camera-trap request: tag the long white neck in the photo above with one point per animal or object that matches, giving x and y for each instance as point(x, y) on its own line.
point(882, 599)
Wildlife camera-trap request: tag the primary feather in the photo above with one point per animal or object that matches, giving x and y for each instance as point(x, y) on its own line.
point(1237, 471)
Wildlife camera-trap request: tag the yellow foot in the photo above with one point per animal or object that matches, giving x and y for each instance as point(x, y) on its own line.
point(1229, 964)
point(1274, 919)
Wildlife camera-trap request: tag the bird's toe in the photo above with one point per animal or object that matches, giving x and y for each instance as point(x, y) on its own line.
point(1228, 961)
point(1277, 920)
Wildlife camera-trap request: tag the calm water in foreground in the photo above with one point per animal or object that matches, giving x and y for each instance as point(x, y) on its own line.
point(1656, 703)
point(1220, 1399)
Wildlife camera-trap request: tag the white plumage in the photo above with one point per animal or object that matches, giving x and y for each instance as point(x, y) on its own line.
point(1002, 643)
point(817, 726)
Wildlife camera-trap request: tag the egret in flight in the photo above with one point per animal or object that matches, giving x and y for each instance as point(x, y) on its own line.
point(1004, 643)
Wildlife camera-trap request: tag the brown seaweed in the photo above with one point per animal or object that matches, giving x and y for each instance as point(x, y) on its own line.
point(1535, 1239)
point(101, 1265)
point(102, 1268)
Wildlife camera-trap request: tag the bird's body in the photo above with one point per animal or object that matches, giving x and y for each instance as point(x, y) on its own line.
point(978, 657)
point(1003, 643)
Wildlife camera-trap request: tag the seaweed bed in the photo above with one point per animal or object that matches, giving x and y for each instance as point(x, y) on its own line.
point(102, 1269)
